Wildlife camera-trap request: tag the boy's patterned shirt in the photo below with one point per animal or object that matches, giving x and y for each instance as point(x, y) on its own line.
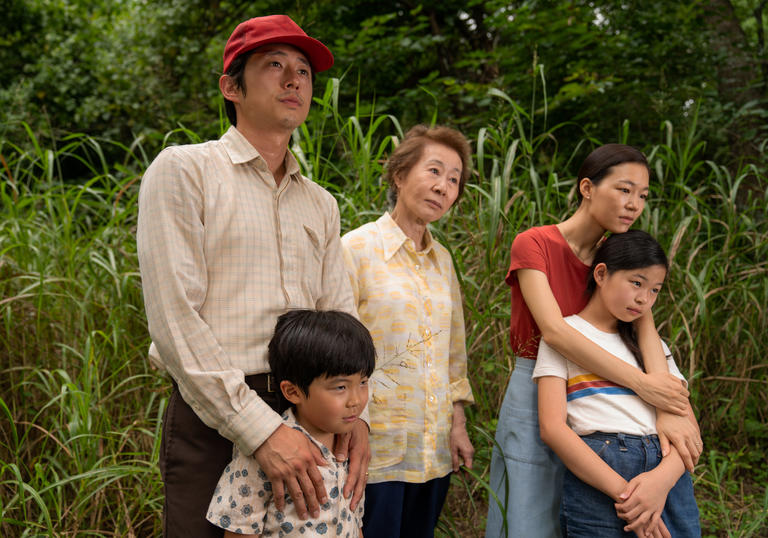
point(243, 502)
point(410, 301)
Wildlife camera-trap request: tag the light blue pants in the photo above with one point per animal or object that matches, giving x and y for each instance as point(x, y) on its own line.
point(526, 475)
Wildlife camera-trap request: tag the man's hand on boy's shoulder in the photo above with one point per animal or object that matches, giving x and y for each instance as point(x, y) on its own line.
point(355, 445)
point(290, 461)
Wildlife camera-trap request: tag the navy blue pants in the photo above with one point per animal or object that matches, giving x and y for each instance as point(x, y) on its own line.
point(403, 509)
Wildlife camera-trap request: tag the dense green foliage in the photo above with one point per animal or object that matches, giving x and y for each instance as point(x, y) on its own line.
point(121, 69)
point(82, 408)
point(535, 84)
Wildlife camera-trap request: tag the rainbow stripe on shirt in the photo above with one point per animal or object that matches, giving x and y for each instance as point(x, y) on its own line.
point(590, 384)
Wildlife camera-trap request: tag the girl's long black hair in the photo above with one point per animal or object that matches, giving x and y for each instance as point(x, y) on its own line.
point(634, 249)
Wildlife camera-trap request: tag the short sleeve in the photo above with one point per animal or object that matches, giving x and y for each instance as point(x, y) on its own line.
point(241, 497)
point(527, 252)
point(550, 363)
point(672, 366)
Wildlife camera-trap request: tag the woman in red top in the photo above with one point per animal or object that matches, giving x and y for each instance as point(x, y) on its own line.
point(547, 275)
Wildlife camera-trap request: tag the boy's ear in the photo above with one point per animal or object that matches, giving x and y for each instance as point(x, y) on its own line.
point(600, 273)
point(291, 392)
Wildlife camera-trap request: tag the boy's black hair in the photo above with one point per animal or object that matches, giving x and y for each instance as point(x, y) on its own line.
point(308, 344)
point(633, 249)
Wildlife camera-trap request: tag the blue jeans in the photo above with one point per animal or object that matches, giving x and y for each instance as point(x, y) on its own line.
point(526, 475)
point(588, 512)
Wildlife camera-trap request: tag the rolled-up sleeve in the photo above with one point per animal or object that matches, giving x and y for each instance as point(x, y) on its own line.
point(457, 360)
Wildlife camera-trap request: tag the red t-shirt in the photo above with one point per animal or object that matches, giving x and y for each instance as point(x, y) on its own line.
point(544, 248)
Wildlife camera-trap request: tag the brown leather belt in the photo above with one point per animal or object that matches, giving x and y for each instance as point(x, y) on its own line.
point(261, 382)
point(258, 382)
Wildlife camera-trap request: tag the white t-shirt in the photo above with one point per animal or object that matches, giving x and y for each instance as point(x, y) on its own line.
point(594, 403)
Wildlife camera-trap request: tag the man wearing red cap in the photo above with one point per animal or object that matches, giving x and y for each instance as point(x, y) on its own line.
point(230, 236)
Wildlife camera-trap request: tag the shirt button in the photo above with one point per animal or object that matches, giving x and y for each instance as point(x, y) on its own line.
point(418, 266)
point(426, 332)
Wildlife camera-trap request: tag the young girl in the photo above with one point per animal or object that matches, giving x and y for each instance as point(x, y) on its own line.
point(603, 432)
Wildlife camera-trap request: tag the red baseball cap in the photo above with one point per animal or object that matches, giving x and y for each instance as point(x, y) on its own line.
point(276, 29)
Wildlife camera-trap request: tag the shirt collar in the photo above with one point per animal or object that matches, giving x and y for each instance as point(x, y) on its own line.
point(393, 238)
point(290, 420)
point(241, 151)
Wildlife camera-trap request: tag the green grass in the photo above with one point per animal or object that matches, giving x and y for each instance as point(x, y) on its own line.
point(80, 406)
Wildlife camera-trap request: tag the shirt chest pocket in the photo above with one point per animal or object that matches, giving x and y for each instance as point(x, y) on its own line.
point(309, 251)
point(313, 245)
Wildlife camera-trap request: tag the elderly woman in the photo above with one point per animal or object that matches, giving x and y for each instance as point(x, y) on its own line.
point(408, 296)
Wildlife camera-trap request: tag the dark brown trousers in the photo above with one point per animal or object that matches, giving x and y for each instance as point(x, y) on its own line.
point(192, 458)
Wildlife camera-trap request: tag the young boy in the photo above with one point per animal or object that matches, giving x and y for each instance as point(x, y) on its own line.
point(321, 362)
